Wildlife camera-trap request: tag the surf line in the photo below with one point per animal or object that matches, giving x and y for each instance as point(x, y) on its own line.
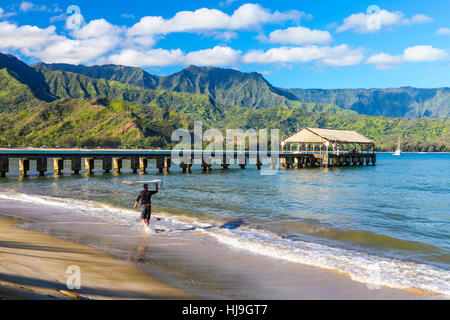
point(193, 310)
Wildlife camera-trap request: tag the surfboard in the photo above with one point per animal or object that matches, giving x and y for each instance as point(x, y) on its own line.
point(142, 182)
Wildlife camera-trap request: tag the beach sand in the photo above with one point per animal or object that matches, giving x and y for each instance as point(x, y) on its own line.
point(33, 266)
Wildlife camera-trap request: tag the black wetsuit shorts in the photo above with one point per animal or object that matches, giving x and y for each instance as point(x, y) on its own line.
point(146, 212)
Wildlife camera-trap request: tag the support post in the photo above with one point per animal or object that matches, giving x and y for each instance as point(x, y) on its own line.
point(205, 165)
point(107, 165)
point(347, 160)
point(134, 164)
point(117, 164)
point(76, 165)
point(300, 162)
point(186, 167)
point(58, 165)
point(288, 162)
point(160, 164)
point(167, 164)
point(258, 163)
point(41, 166)
point(89, 165)
point(4, 167)
point(243, 165)
point(334, 161)
point(24, 166)
point(143, 163)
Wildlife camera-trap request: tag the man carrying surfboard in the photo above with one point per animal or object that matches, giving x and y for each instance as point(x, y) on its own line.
point(145, 196)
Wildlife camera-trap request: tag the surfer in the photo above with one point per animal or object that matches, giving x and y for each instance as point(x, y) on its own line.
point(145, 196)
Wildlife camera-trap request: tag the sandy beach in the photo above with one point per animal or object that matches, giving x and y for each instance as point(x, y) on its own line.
point(33, 266)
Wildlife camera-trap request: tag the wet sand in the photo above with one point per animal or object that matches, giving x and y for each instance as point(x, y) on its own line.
point(33, 266)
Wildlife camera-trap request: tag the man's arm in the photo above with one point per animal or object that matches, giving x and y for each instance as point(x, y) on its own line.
point(137, 200)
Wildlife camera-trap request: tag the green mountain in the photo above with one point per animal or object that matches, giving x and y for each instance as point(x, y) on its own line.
point(228, 87)
point(225, 86)
point(27, 76)
point(404, 102)
point(90, 123)
point(129, 75)
point(111, 106)
point(232, 87)
point(72, 85)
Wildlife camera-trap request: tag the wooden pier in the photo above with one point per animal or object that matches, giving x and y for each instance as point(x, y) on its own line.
point(314, 148)
point(77, 161)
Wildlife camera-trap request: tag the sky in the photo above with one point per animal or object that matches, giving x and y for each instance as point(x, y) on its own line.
point(294, 44)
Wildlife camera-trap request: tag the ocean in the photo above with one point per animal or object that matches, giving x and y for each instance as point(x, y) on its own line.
point(384, 226)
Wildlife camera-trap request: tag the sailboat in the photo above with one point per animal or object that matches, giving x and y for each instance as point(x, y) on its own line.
point(398, 151)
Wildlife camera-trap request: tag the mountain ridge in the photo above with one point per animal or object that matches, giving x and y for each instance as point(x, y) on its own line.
point(99, 112)
point(233, 87)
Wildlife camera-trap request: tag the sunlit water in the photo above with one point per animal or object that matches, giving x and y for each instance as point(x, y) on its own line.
point(387, 224)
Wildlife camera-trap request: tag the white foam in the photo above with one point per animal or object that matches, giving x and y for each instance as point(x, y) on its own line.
point(370, 269)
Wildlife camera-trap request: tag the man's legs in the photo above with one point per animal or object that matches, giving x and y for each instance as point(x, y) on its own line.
point(146, 212)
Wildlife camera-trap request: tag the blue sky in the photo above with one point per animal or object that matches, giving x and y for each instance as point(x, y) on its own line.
point(301, 44)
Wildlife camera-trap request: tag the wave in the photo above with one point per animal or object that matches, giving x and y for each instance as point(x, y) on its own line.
point(372, 270)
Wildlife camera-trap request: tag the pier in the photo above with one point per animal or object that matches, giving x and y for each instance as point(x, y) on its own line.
point(113, 161)
point(307, 148)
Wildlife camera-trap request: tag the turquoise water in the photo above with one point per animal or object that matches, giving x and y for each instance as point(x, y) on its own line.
point(394, 217)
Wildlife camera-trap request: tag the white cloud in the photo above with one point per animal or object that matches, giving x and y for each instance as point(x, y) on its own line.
point(247, 16)
point(50, 47)
point(332, 56)
point(420, 19)
point(27, 6)
point(217, 56)
point(443, 31)
point(25, 37)
point(300, 35)
point(385, 61)
point(366, 23)
point(411, 54)
point(149, 58)
point(424, 53)
point(97, 29)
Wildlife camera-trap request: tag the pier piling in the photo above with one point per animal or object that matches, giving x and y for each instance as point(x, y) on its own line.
point(117, 164)
point(24, 166)
point(75, 165)
point(58, 165)
point(107, 165)
point(89, 164)
point(4, 167)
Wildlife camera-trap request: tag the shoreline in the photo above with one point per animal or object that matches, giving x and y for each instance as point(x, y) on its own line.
point(27, 281)
point(34, 265)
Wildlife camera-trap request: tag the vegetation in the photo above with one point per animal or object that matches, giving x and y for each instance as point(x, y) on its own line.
point(116, 106)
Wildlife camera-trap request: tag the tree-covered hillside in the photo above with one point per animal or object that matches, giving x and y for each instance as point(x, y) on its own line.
point(111, 106)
